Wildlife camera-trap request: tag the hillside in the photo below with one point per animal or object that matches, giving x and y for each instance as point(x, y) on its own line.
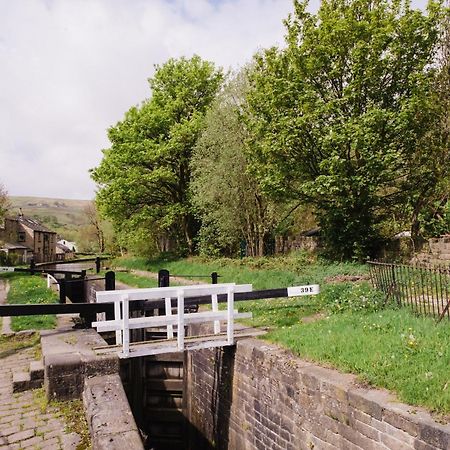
point(64, 216)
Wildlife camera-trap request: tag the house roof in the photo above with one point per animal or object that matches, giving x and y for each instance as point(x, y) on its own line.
point(33, 224)
point(63, 248)
point(8, 246)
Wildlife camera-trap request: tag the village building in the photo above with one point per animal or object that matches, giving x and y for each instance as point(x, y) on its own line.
point(69, 244)
point(63, 252)
point(27, 238)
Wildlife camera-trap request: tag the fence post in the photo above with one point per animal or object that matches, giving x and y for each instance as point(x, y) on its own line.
point(214, 277)
point(163, 278)
point(110, 285)
point(97, 264)
point(394, 286)
point(62, 291)
point(110, 281)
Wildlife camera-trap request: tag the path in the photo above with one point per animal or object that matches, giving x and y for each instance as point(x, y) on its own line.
point(6, 322)
point(25, 421)
point(154, 275)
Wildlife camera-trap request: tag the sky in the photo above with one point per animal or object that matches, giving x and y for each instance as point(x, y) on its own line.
point(70, 69)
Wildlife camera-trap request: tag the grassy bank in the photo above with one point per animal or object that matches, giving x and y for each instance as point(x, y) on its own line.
point(263, 273)
point(391, 348)
point(32, 290)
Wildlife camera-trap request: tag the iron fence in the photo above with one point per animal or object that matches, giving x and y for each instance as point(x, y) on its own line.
point(425, 290)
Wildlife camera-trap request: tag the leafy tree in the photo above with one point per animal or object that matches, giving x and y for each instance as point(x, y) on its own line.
point(431, 213)
point(144, 175)
point(4, 202)
point(339, 117)
point(229, 201)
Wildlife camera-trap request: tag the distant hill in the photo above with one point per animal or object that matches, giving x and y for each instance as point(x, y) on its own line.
point(58, 214)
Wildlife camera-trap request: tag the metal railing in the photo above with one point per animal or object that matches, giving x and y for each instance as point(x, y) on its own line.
point(425, 290)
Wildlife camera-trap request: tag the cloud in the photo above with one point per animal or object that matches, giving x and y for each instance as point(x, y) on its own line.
point(71, 68)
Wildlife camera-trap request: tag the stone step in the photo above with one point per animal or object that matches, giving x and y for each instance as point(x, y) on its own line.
point(36, 370)
point(23, 381)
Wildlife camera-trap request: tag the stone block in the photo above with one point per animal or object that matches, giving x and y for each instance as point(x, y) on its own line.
point(64, 387)
point(111, 428)
point(21, 381)
point(366, 401)
point(36, 370)
point(435, 435)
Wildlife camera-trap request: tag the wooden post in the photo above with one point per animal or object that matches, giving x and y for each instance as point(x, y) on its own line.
point(163, 278)
point(97, 264)
point(230, 318)
point(110, 281)
point(62, 291)
point(180, 323)
point(125, 325)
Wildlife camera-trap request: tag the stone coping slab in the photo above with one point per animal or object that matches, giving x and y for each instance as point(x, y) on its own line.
point(69, 359)
point(111, 423)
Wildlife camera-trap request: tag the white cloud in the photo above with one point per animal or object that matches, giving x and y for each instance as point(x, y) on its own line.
point(69, 69)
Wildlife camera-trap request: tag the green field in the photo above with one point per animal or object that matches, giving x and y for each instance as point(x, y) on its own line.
point(61, 215)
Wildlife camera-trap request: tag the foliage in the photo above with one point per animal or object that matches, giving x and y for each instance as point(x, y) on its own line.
point(391, 349)
point(31, 289)
point(229, 201)
point(144, 175)
point(433, 216)
point(4, 202)
point(340, 116)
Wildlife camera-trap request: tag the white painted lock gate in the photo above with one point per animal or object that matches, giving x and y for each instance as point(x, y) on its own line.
point(123, 323)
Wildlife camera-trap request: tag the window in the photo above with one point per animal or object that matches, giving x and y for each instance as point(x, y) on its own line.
point(21, 236)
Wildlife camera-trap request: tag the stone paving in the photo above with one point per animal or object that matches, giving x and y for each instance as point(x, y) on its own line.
point(24, 424)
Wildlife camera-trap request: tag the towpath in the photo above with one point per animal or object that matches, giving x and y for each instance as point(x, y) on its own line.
point(26, 420)
point(154, 275)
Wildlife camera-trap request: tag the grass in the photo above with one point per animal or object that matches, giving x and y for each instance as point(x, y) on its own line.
point(392, 349)
point(31, 290)
point(72, 413)
point(263, 273)
point(10, 344)
point(136, 280)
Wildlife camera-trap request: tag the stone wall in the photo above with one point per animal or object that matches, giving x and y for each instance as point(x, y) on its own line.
point(435, 252)
point(299, 242)
point(258, 396)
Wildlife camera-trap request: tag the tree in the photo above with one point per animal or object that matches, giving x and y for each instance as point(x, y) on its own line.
point(229, 201)
point(431, 204)
point(145, 174)
point(340, 115)
point(4, 202)
point(93, 236)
